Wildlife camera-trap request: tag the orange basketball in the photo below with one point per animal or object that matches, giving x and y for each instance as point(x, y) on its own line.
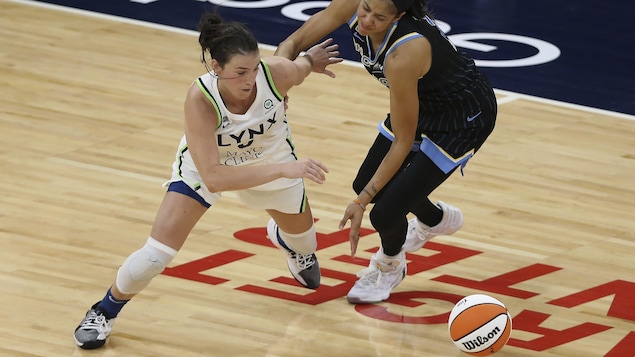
point(479, 325)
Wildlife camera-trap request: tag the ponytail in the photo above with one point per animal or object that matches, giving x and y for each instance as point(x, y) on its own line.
point(224, 39)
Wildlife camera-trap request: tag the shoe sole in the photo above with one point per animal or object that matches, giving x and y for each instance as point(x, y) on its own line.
point(358, 301)
point(89, 345)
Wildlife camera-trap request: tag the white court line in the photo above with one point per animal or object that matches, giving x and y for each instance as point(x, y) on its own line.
point(106, 16)
point(512, 95)
point(564, 104)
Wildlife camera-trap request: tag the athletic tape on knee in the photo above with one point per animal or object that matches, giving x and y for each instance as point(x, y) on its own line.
point(303, 243)
point(142, 266)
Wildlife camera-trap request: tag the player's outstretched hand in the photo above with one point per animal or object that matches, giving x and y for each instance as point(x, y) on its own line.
point(324, 54)
point(354, 213)
point(310, 169)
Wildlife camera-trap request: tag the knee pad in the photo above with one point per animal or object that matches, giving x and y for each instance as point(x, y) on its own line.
point(142, 266)
point(303, 243)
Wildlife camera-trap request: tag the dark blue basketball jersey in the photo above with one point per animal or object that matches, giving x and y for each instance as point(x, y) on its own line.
point(454, 96)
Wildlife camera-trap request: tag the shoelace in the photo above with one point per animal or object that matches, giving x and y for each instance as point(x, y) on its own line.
point(95, 322)
point(304, 261)
point(369, 276)
point(421, 234)
point(413, 230)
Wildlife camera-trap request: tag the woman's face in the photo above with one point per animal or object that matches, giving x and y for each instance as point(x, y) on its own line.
point(375, 16)
point(238, 76)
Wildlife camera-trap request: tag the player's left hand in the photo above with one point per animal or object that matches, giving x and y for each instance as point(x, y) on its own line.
point(324, 54)
point(354, 213)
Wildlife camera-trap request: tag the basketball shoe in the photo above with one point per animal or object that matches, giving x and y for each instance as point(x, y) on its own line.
point(377, 281)
point(94, 329)
point(418, 233)
point(304, 267)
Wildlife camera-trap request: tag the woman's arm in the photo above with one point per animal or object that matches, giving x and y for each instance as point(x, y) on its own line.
point(200, 131)
point(403, 69)
point(287, 74)
point(337, 13)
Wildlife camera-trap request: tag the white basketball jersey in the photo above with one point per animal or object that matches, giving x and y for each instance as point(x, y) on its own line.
point(258, 137)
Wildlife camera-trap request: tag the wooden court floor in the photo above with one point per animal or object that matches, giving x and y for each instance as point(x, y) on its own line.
point(90, 117)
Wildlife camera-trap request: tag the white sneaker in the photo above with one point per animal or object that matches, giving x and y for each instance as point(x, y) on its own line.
point(418, 233)
point(377, 281)
point(305, 269)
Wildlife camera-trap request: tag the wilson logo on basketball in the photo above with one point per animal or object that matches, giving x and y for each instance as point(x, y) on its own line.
point(481, 340)
point(479, 325)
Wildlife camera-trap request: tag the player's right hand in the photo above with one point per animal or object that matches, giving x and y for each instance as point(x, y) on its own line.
point(310, 169)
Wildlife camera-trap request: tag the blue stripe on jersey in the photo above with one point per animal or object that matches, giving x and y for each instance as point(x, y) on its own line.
point(390, 136)
point(401, 40)
point(353, 21)
point(442, 159)
point(384, 43)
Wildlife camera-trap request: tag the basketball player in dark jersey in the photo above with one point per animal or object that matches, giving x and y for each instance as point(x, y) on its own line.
point(442, 109)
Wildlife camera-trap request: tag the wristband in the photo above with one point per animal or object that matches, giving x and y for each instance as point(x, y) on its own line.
point(360, 204)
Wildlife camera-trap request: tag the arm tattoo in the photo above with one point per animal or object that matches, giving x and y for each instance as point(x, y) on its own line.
point(372, 188)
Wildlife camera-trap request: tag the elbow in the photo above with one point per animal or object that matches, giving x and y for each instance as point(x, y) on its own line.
point(217, 178)
point(403, 145)
point(401, 141)
point(216, 186)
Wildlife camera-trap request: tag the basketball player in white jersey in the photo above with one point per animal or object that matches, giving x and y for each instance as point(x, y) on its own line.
point(442, 109)
point(236, 139)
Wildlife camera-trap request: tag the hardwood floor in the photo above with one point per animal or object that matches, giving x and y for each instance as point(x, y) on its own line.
point(90, 118)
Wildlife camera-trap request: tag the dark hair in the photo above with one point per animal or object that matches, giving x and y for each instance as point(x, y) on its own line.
point(224, 39)
point(415, 8)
